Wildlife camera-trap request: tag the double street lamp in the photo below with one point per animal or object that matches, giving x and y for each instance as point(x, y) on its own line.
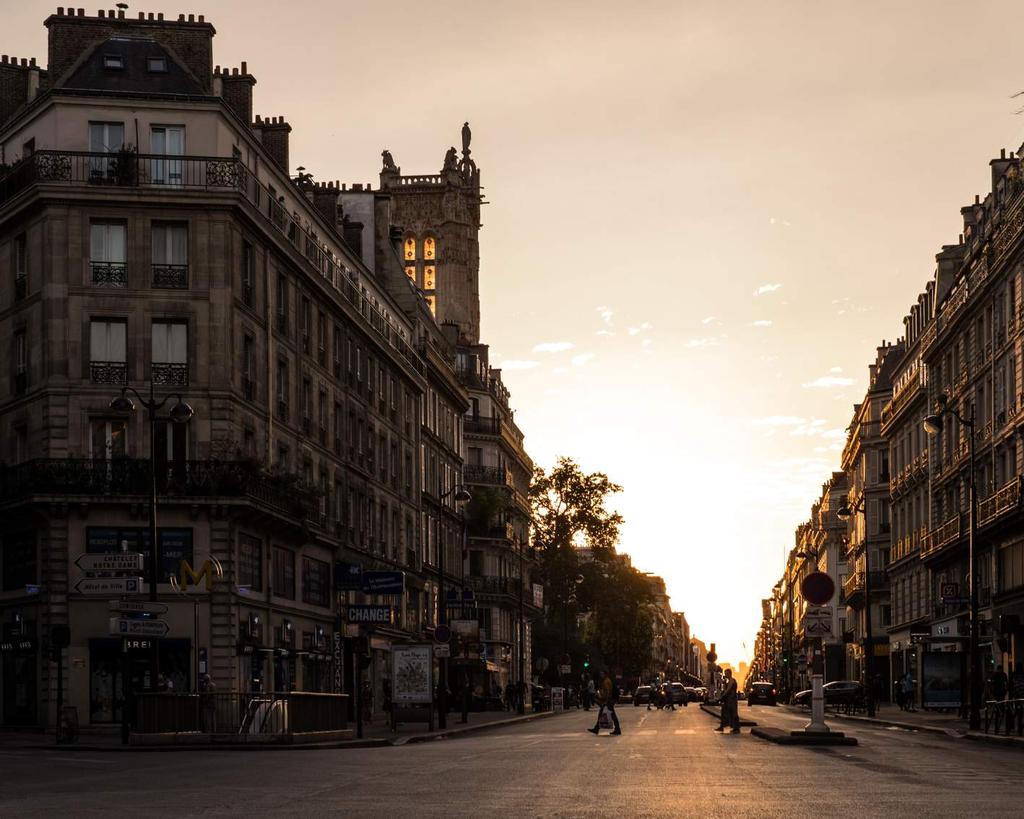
point(933, 426)
point(845, 512)
point(180, 413)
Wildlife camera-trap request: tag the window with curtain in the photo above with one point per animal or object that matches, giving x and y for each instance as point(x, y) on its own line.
point(170, 255)
point(170, 353)
point(108, 351)
point(104, 138)
point(107, 253)
point(167, 141)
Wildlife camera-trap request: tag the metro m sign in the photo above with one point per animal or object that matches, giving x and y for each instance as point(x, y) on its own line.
point(209, 570)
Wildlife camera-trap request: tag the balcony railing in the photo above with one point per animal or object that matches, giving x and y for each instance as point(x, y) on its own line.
point(941, 536)
point(498, 531)
point(494, 475)
point(130, 476)
point(109, 274)
point(108, 372)
point(170, 276)
point(483, 426)
point(497, 585)
point(168, 374)
point(1000, 503)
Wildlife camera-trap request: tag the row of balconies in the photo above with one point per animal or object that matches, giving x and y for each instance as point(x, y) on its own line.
point(996, 506)
point(168, 374)
point(910, 474)
point(905, 546)
point(162, 276)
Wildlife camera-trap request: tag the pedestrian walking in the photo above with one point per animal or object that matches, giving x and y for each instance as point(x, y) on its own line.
point(907, 692)
point(730, 708)
point(589, 701)
point(607, 696)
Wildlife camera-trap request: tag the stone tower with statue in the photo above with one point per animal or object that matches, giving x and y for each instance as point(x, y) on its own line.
point(439, 218)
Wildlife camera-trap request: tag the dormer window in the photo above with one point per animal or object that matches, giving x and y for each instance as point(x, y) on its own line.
point(156, 65)
point(115, 61)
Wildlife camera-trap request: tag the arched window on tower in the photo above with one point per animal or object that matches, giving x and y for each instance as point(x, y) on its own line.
point(410, 248)
point(429, 278)
point(410, 271)
point(428, 248)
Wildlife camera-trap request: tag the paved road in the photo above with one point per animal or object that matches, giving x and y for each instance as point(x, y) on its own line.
point(665, 764)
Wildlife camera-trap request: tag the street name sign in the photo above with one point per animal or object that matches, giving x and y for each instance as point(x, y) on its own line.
point(137, 606)
point(383, 582)
point(106, 586)
point(114, 562)
point(120, 627)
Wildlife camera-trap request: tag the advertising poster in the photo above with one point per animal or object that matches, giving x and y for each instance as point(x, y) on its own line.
point(412, 672)
point(942, 679)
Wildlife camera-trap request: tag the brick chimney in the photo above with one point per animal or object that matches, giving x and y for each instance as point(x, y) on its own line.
point(71, 34)
point(236, 90)
point(273, 133)
point(325, 201)
point(19, 80)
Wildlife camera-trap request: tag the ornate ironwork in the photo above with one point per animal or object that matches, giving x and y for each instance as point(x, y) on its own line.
point(108, 372)
point(168, 374)
point(109, 274)
point(170, 276)
point(222, 173)
point(51, 167)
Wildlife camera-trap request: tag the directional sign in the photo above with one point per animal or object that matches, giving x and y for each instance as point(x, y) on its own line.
point(120, 627)
point(818, 628)
point(106, 586)
point(138, 606)
point(114, 562)
point(383, 582)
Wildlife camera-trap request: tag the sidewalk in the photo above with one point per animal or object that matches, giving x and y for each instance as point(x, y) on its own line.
point(891, 716)
point(374, 736)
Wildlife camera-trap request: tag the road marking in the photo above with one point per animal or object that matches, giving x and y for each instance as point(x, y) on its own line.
point(684, 731)
point(80, 759)
point(650, 732)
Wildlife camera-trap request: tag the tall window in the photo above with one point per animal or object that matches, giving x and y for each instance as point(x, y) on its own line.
point(20, 266)
point(107, 253)
point(105, 138)
point(167, 141)
point(410, 249)
point(321, 339)
point(250, 562)
point(20, 363)
point(429, 278)
point(170, 353)
point(307, 324)
point(248, 274)
point(284, 573)
point(170, 255)
point(282, 389)
point(107, 439)
point(248, 367)
point(281, 307)
point(316, 582)
point(307, 404)
point(428, 249)
point(108, 352)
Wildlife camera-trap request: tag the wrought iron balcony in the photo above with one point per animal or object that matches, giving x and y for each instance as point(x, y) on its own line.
point(497, 531)
point(170, 276)
point(999, 503)
point(942, 536)
point(853, 588)
point(168, 374)
point(486, 425)
point(108, 372)
point(121, 477)
point(494, 475)
point(109, 274)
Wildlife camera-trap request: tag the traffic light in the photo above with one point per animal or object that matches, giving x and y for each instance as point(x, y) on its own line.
point(586, 661)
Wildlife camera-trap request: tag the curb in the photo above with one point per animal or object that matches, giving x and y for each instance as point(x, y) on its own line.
point(367, 742)
point(780, 737)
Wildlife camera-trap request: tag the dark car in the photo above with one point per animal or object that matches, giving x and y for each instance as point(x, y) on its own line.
point(642, 695)
point(838, 692)
point(679, 694)
point(761, 693)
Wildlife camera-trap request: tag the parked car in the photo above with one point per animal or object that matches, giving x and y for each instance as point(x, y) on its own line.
point(837, 692)
point(702, 693)
point(691, 692)
point(761, 693)
point(642, 695)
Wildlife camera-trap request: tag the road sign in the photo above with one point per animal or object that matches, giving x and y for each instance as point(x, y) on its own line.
point(442, 633)
point(137, 606)
point(817, 588)
point(121, 626)
point(818, 628)
point(383, 582)
point(442, 650)
point(348, 576)
point(564, 669)
point(114, 562)
point(106, 586)
point(949, 592)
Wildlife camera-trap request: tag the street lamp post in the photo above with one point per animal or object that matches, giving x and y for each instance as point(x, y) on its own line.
point(521, 693)
point(792, 628)
point(461, 496)
point(845, 512)
point(180, 413)
point(933, 426)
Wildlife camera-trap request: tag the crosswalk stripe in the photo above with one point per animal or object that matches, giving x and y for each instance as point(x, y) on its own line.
point(685, 731)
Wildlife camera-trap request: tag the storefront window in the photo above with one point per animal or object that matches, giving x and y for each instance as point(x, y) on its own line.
point(106, 674)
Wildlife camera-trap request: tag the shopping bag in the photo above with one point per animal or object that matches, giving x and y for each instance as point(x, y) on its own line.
point(605, 720)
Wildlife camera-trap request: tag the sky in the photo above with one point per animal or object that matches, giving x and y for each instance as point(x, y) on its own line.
point(703, 219)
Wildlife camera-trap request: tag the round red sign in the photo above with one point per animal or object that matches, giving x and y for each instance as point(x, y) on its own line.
point(817, 588)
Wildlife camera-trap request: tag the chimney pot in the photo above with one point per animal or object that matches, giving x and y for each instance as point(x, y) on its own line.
point(24, 61)
point(142, 15)
point(32, 61)
point(60, 11)
point(120, 14)
point(191, 18)
point(4, 58)
point(234, 72)
point(159, 15)
point(181, 18)
point(151, 15)
point(101, 13)
point(81, 12)
point(245, 69)
point(1002, 153)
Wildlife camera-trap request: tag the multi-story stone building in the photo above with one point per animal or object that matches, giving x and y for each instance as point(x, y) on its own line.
point(865, 460)
point(152, 238)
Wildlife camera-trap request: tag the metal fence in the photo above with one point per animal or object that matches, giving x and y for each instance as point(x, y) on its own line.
point(241, 715)
point(1004, 714)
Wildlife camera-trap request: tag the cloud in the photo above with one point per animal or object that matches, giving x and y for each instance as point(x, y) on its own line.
point(706, 341)
point(606, 314)
point(642, 328)
point(711, 320)
point(518, 364)
point(604, 333)
point(581, 359)
point(826, 381)
point(779, 421)
point(553, 347)
point(647, 342)
point(766, 288)
point(761, 323)
point(835, 369)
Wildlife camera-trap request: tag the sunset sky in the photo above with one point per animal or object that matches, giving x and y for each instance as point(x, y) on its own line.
point(703, 218)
